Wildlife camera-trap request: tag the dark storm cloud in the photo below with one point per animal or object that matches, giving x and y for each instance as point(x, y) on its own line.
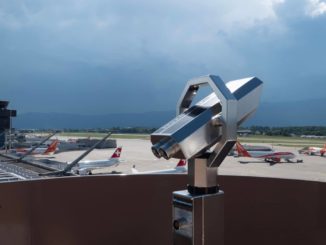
point(110, 56)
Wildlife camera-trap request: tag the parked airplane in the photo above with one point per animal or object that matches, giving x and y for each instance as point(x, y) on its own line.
point(85, 167)
point(255, 149)
point(271, 157)
point(39, 150)
point(311, 150)
point(180, 168)
point(323, 151)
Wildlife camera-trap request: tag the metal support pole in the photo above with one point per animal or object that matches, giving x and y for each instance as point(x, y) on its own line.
point(6, 140)
point(201, 178)
point(10, 143)
point(198, 213)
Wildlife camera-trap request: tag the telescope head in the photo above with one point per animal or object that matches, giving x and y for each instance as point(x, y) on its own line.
point(212, 121)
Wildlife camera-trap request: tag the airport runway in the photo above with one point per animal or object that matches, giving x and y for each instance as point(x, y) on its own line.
point(138, 152)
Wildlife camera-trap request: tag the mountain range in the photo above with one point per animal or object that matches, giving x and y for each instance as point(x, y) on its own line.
point(300, 113)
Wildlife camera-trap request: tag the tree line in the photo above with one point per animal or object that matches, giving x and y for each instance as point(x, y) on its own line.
point(288, 131)
point(258, 130)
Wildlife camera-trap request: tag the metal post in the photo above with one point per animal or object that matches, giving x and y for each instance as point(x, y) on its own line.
point(198, 213)
point(10, 143)
point(6, 140)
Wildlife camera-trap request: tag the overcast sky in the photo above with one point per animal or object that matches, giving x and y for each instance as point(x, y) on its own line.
point(95, 57)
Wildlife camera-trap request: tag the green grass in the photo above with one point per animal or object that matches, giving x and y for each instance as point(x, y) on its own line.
point(273, 140)
point(131, 136)
point(283, 140)
point(101, 135)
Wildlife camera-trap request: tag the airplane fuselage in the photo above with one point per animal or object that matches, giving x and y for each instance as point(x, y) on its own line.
point(277, 156)
point(39, 150)
point(178, 170)
point(98, 163)
point(268, 156)
point(259, 154)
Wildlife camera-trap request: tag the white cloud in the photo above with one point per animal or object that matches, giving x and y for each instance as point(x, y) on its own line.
point(9, 21)
point(109, 32)
point(164, 39)
point(315, 8)
point(223, 15)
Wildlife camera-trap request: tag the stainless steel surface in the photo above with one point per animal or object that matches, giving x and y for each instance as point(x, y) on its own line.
point(198, 212)
point(200, 175)
point(225, 118)
point(195, 220)
point(247, 93)
point(212, 120)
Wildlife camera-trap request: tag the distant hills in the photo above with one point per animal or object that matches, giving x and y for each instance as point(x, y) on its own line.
point(301, 113)
point(60, 120)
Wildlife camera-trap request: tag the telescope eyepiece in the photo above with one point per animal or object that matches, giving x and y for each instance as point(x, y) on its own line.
point(168, 149)
point(164, 154)
point(156, 152)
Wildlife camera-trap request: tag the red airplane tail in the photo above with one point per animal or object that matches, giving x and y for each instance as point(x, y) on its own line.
point(241, 150)
point(52, 147)
point(323, 151)
point(181, 163)
point(117, 153)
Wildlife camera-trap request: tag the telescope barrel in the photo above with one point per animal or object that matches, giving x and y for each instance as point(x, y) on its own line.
point(198, 212)
point(212, 120)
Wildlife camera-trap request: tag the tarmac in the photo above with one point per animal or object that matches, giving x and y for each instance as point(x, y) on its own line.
point(138, 152)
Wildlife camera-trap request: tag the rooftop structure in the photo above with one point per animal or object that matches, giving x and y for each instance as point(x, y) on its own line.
point(5, 120)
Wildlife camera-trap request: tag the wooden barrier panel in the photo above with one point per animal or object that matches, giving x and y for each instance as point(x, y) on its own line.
point(138, 210)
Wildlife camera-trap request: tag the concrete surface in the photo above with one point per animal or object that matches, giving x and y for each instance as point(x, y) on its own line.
point(138, 152)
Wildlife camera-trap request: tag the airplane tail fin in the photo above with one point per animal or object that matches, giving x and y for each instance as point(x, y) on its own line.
point(181, 163)
point(117, 153)
point(52, 148)
point(241, 150)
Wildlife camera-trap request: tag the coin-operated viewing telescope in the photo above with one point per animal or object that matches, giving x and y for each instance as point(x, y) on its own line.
point(209, 124)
